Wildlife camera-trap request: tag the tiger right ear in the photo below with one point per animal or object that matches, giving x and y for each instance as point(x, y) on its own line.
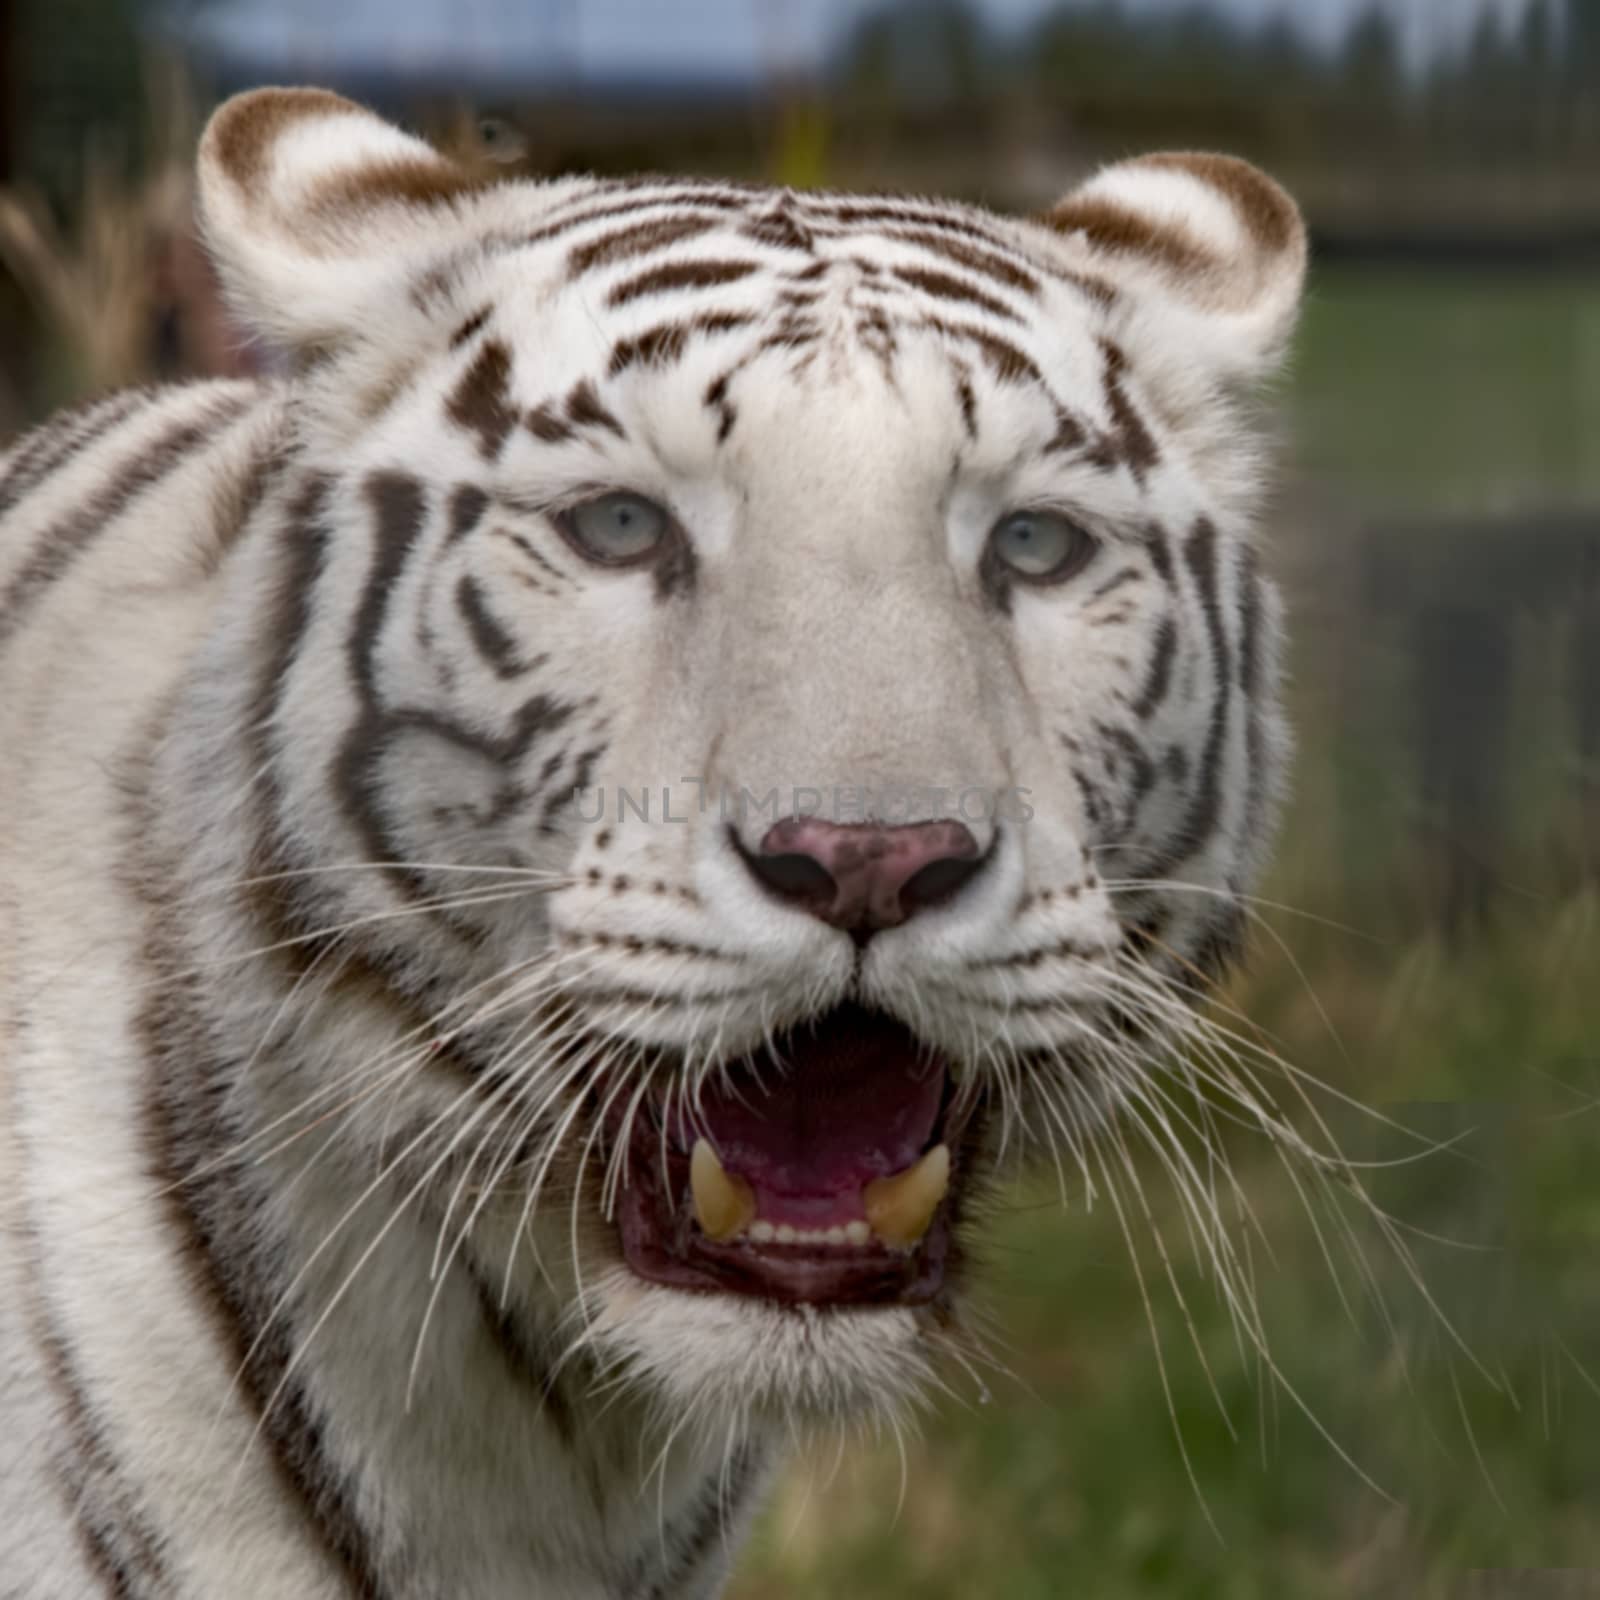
point(1207, 246)
point(310, 205)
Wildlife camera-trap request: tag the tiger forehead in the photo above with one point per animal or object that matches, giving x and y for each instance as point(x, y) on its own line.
point(635, 241)
point(718, 281)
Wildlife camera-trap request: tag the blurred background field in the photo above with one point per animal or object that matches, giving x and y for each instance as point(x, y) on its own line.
point(1432, 944)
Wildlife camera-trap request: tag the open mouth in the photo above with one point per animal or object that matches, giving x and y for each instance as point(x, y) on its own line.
point(824, 1172)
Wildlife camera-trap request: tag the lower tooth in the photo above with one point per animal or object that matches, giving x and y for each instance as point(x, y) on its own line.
point(901, 1208)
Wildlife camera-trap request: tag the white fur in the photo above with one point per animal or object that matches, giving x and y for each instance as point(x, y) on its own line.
point(838, 633)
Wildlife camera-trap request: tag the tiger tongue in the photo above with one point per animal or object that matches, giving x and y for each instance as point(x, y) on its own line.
point(856, 1098)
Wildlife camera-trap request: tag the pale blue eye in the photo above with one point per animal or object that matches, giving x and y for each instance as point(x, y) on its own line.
point(1041, 545)
point(617, 529)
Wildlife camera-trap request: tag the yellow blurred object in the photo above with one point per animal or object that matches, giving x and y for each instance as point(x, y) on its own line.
point(800, 154)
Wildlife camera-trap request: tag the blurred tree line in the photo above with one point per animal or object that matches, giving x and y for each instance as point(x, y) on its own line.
point(1101, 79)
point(935, 81)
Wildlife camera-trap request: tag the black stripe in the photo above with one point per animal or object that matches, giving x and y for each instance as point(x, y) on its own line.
point(526, 1362)
point(48, 448)
point(481, 401)
point(677, 275)
point(1005, 360)
point(782, 229)
point(1251, 606)
point(856, 212)
point(988, 262)
point(522, 544)
point(666, 343)
point(967, 399)
point(58, 547)
point(1129, 442)
point(1115, 582)
point(220, 1222)
point(398, 508)
point(627, 243)
point(1249, 624)
point(466, 510)
point(237, 504)
point(1204, 810)
point(945, 286)
point(119, 1541)
point(543, 423)
point(470, 327)
point(1137, 758)
point(680, 1552)
point(492, 641)
point(1156, 547)
point(1158, 679)
point(716, 397)
point(585, 410)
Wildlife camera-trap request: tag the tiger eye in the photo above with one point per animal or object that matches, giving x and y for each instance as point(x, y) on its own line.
point(618, 529)
point(1041, 546)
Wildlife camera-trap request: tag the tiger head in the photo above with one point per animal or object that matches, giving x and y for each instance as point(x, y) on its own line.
point(798, 668)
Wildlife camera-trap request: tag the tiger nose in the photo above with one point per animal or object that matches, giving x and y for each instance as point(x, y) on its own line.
point(864, 877)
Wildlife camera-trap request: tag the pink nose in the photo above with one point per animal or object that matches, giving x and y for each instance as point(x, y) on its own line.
point(864, 876)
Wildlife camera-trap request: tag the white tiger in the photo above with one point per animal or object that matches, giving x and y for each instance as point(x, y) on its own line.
point(447, 1146)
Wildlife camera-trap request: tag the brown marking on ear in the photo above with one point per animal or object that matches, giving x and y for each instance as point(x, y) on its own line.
point(244, 130)
point(1117, 231)
point(1264, 208)
point(416, 182)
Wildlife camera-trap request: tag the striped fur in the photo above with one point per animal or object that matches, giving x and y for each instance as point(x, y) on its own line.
point(309, 958)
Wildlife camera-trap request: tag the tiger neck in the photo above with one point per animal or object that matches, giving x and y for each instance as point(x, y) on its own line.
point(404, 1360)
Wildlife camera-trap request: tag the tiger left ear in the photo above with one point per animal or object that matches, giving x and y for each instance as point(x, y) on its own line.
point(1206, 239)
point(309, 203)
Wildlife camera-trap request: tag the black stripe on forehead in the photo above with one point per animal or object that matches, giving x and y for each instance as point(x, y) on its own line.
point(987, 263)
point(1004, 359)
point(678, 275)
point(666, 343)
point(946, 286)
point(481, 401)
point(636, 239)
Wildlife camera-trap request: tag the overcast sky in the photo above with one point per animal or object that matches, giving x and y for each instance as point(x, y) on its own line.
point(696, 38)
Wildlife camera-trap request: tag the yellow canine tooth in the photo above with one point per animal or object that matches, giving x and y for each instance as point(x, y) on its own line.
point(900, 1208)
point(724, 1205)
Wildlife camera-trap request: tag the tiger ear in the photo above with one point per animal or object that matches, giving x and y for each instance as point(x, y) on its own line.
point(1206, 239)
point(309, 204)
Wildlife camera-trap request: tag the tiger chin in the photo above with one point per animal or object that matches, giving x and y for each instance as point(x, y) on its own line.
point(549, 856)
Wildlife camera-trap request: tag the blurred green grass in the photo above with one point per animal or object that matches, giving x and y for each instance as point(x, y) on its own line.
point(1463, 407)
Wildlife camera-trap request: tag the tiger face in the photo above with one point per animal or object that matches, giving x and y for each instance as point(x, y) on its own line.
point(800, 665)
